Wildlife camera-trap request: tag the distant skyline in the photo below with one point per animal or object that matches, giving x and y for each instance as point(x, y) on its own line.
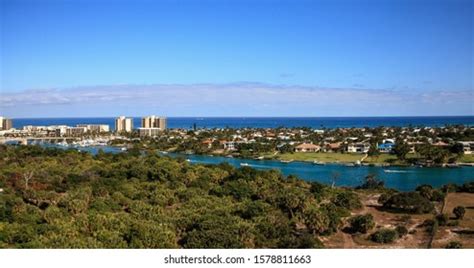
point(236, 58)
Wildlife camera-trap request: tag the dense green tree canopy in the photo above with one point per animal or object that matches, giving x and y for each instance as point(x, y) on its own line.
point(67, 199)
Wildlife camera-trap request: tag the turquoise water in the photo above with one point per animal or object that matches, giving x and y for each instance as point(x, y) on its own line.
point(400, 178)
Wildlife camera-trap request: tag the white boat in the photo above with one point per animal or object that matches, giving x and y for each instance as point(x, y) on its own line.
point(286, 161)
point(244, 164)
point(319, 163)
point(63, 143)
point(123, 149)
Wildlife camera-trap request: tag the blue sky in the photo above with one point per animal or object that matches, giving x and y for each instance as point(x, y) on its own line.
point(393, 57)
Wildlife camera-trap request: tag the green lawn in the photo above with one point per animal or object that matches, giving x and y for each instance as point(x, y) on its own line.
point(322, 157)
point(382, 158)
point(467, 158)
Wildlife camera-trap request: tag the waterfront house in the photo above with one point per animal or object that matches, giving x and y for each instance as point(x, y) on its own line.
point(207, 143)
point(467, 146)
point(307, 147)
point(413, 145)
point(440, 144)
point(358, 147)
point(386, 147)
point(333, 147)
point(228, 145)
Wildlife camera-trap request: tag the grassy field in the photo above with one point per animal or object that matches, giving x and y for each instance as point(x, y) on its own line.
point(350, 158)
point(382, 158)
point(467, 158)
point(322, 157)
point(387, 159)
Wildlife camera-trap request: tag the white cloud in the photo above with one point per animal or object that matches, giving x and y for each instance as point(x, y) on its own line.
point(234, 99)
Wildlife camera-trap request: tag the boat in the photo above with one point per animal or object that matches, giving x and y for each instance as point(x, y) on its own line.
point(62, 143)
point(319, 163)
point(350, 165)
point(123, 149)
point(188, 160)
point(244, 164)
point(286, 161)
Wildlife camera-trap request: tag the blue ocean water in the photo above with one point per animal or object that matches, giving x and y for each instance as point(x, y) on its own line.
point(264, 122)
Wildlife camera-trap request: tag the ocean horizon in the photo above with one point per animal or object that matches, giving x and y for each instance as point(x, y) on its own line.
point(263, 122)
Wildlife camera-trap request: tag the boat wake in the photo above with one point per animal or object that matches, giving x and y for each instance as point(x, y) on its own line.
point(395, 171)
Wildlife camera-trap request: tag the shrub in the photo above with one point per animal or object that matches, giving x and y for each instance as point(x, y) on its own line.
point(454, 244)
point(410, 202)
point(401, 230)
point(467, 187)
point(430, 225)
point(453, 223)
point(405, 218)
point(425, 190)
point(384, 236)
point(348, 200)
point(383, 198)
point(371, 182)
point(459, 212)
point(437, 196)
point(423, 187)
point(450, 188)
point(429, 193)
point(442, 219)
point(362, 223)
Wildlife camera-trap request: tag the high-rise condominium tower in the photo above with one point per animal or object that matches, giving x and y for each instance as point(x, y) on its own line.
point(123, 124)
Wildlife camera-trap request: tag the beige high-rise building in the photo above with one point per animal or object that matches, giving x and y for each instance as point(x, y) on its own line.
point(154, 122)
point(5, 123)
point(95, 128)
point(123, 124)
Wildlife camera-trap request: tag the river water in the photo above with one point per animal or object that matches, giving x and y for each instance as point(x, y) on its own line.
point(400, 178)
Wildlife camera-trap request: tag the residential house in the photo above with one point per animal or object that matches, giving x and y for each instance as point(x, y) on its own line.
point(307, 147)
point(358, 147)
point(468, 146)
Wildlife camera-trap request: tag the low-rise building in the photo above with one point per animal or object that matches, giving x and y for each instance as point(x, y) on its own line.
point(307, 147)
point(149, 131)
point(386, 147)
point(467, 146)
point(358, 147)
point(228, 145)
point(95, 128)
point(75, 131)
point(333, 147)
